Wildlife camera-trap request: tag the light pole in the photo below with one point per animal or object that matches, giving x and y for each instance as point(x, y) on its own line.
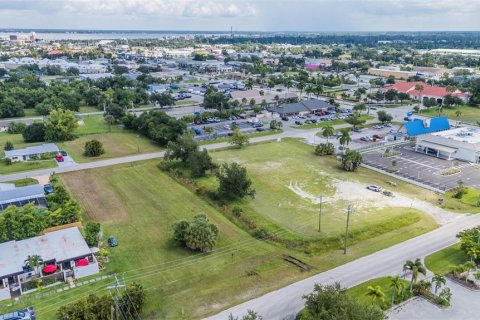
point(349, 209)
point(320, 215)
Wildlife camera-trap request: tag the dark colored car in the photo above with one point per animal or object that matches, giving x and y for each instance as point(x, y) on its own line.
point(298, 123)
point(260, 129)
point(285, 118)
point(314, 121)
point(112, 241)
point(48, 188)
point(63, 153)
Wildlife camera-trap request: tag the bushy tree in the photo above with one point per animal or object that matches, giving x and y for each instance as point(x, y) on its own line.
point(355, 120)
point(60, 125)
point(198, 234)
point(131, 305)
point(234, 181)
point(330, 302)
point(162, 99)
point(324, 149)
point(181, 149)
point(16, 127)
point(18, 223)
point(239, 139)
point(351, 160)
point(92, 231)
point(159, 127)
point(116, 111)
point(93, 148)
point(213, 99)
point(384, 117)
point(275, 124)
point(34, 132)
point(11, 107)
point(8, 146)
point(470, 242)
point(199, 163)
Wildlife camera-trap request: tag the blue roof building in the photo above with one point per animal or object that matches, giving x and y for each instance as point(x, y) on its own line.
point(418, 126)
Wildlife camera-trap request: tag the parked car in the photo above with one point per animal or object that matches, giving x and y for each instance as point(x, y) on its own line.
point(59, 158)
point(257, 125)
point(388, 125)
point(48, 188)
point(64, 153)
point(407, 119)
point(112, 241)
point(378, 137)
point(260, 129)
point(366, 138)
point(17, 315)
point(313, 121)
point(374, 188)
point(357, 130)
point(285, 119)
point(298, 123)
point(378, 126)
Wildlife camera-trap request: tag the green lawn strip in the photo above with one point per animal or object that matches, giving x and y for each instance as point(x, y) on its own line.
point(185, 102)
point(23, 182)
point(321, 124)
point(468, 113)
point(95, 124)
point(250, 135)
point(442, 261)
point(468, 203)
point(26, 166)
point(359, 292)
point(116, 144)
point(87, 109)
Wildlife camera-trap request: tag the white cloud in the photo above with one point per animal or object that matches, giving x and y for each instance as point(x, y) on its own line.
point(206, 9)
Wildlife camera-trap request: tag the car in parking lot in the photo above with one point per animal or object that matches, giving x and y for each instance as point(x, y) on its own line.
point(17, 315)
point(374, 188)
point(257, 125)
point(377, 137)
point(313, 120)
point(366, 138)
point(378, 126)
point(260, 129)
point(298, 123)
point(63, 153)
point(285, 119)
point(59, 158)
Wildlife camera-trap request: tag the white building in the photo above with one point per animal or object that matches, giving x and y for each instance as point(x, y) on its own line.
point(459, 143)
point(65, 254)
point(28, 153)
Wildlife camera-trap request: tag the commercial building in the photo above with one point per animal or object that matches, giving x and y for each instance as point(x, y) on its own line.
point(459, 143)
point(427, 91)
point(64, 254)
point(302, 107)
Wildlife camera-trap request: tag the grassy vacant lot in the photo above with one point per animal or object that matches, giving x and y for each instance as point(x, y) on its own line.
point(469, 113)
point(468, 203)
point(138, 204)
point(322, 124)
point(442, 261)
point(359, 292)
point(117, 143)
point(250, 135)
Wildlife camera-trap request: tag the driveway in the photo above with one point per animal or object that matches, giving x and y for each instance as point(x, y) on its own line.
point(67, 162)
point(465, 305)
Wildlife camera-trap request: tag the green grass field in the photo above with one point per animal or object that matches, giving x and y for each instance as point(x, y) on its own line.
point(442, 261)
point(250, 135)
point(185, 102)
point(468, 113)
point(359, 292)
point(23, 182)
point(26, 166)
point(468, 203)
point(138, 204)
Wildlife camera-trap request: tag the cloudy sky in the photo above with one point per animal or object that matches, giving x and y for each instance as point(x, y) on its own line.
point(262, 15)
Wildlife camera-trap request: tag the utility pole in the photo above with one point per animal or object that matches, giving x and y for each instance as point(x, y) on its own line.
point(320, 215)
point(116, 298)
point(349, 209)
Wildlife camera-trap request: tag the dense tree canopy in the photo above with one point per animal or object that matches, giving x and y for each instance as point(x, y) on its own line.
point(234, 181)
point(198, 234)
point(60, 125)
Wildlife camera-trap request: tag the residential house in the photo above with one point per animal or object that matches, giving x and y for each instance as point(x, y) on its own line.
point(19, 196)
point(64, 253)
point(28, 153)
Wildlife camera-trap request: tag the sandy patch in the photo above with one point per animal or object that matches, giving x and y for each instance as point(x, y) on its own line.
point(362, 198)
point(42, 179)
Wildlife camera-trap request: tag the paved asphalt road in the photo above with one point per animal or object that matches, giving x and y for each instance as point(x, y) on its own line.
point(286, 302)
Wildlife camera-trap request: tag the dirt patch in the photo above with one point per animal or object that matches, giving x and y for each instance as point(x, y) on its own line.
point(99, 202)
point(42, 179)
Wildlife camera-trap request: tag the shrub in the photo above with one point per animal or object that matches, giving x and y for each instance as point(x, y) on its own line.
point(324, 149)
point(8, 146)
point(351, 160)
point(93, 148)
point(91, 233)
point(16, 127)
point(196, 235)
point(8, 161)
point(34, 132)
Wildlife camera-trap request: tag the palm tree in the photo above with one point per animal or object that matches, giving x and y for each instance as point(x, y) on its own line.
point(396, 284)
point(327, 131)
point(438, 280)
point(345, 138)
point(301, 86)
point(271, 84)
point(287, 82)
point(420, 89)
point(375, 293)
point(249, 84)
point(110, 120)
point(415, 267)
point(458, 113)
point(318, 90)
point(33, 262)
point(309, 90)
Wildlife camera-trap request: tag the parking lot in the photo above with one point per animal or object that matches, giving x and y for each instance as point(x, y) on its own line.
point(424, 168)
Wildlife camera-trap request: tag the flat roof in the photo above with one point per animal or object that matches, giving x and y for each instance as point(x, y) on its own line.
point(465, 134)
point(22, 193)
point(44, 148)
point(61, 245)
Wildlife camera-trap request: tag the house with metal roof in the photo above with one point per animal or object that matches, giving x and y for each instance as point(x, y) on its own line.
point(64, 254)
point(29, 153)
point(20, 196)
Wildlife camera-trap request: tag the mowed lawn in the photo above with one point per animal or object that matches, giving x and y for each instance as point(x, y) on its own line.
point(117, 142)
point(289, 179)
point(468, 113)
point(444, 260)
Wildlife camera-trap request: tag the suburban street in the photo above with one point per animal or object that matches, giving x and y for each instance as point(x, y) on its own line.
point(286, 302)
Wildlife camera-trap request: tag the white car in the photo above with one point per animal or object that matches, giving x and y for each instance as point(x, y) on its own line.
point(374, 188)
